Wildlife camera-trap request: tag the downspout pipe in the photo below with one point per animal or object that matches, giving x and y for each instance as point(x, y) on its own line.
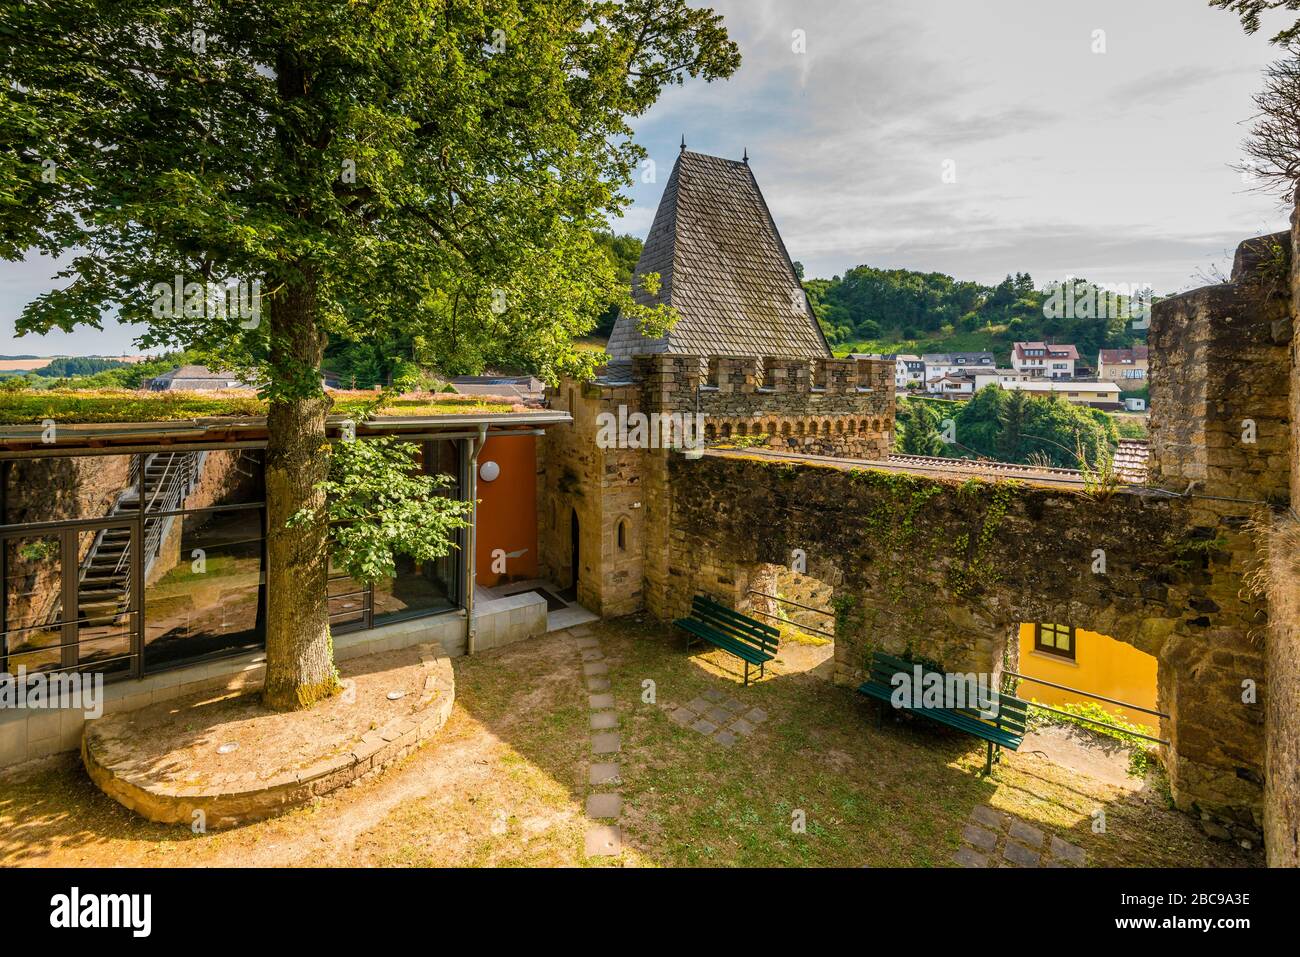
point(471, 536)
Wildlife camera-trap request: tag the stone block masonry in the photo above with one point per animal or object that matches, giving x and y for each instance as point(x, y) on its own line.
point(821, 406)
point(602, 520)
point(947, 570)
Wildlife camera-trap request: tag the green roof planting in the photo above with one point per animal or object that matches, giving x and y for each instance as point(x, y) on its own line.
point(27, 407)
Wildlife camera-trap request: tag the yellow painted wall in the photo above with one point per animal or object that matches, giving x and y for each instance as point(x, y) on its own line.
point(1102, 665)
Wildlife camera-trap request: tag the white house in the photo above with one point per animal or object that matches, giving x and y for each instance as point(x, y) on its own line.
point(951, 386)
point(1000, 377)
point(940, 364)
point(908, 369)
point(1044, 359)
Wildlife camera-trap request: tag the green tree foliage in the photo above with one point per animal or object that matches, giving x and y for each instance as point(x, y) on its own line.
point(623, 252)
point(881, 307)
point(1008, 426)
point(381, 505)
point(76, 366)
point(916, 428)
point(383, 169)
point(1250, 11)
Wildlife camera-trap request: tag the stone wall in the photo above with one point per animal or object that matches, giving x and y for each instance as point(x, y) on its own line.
point(841, 407)
point(1225, 401)
point(52, 490)
point(602, 488)
point(1281, 579)
point(1220, 374)
point(948, 570)
point(620, 495)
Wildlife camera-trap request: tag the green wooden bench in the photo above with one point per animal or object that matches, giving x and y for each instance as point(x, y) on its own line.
point(1004, 731)
point(751, 641)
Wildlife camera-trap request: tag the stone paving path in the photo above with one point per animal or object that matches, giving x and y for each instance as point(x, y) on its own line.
point(604, 804)
point(719, 717)
point(993, 838)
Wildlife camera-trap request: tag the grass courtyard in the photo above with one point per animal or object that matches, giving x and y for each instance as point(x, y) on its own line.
point(505, 783)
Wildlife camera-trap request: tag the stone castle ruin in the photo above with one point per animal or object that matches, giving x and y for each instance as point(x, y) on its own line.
point(947, 565)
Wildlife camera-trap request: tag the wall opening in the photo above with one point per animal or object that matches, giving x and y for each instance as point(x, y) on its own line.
point(1093, 665)
point(800, 606)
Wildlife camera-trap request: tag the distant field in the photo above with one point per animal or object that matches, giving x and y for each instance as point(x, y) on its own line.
point(31, 364)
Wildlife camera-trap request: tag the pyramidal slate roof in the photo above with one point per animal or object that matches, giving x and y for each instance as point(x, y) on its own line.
point(723, 267)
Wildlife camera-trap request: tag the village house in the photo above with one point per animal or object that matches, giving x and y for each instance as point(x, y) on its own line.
point(1000, 377)
point(951, 385)
point(195, 378)
point(1127, 367)
point(1044, 359)
point(940, 364)
point(1098, 395)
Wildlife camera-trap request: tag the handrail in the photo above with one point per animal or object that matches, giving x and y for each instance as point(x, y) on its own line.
point(787, 601)
point(1122, 704)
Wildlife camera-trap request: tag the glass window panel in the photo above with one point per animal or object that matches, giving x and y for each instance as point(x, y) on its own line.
point(347, 599)
point(35, 649)
point(189, 481)
point(418, 588)
point(425, 587)
point(106, 647)
point(203, 585)
point(68, 488)
point(105, 612)
point(33, 585)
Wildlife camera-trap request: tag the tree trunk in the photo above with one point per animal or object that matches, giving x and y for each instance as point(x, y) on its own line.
point(299, 652)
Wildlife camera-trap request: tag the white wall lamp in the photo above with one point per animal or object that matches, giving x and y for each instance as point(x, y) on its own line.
point(489, 471)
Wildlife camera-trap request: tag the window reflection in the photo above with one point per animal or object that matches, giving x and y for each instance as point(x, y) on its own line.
point(203, 586)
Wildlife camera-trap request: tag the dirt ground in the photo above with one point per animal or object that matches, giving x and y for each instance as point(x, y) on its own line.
point(505, 782)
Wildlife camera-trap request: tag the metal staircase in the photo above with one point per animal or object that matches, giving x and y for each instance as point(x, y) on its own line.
point(104, 584)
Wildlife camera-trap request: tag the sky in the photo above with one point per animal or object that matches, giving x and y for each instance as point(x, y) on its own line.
point(1061, 159)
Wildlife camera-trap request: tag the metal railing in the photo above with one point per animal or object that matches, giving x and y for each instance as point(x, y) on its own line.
point(787, 621)
point(1092, 721)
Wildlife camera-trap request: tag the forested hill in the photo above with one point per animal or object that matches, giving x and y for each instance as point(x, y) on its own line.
point(899, 310)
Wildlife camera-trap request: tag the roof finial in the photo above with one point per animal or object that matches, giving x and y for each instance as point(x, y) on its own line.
point(746, 156)
point(683, 142)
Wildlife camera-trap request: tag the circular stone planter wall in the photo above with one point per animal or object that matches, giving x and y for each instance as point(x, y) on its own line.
point(152, 778)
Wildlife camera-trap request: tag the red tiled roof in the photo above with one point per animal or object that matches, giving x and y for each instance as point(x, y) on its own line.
point(1121, 356)
point(1130, 460)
